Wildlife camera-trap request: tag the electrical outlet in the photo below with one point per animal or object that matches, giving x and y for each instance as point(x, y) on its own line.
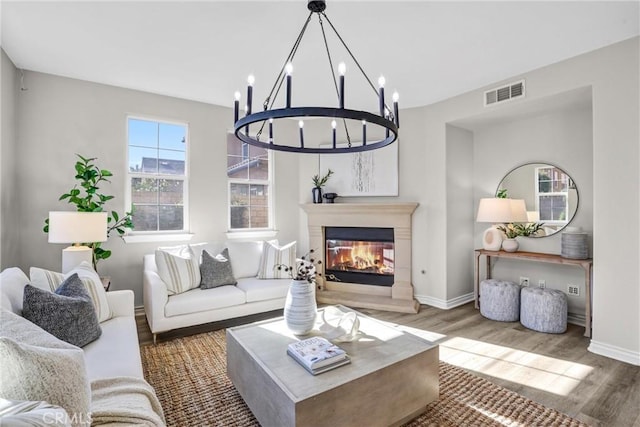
point(542, 283)
point(573, 290)
point(524, 281)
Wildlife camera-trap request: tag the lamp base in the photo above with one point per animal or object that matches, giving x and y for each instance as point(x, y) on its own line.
point(74, 255)
point(492, 239)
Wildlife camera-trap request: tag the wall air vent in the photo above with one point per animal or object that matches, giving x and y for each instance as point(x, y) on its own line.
point(504, 93)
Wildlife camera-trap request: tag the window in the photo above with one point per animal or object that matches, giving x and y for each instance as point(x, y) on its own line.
point(552, 191)
point(249, 176)
point(158, 175)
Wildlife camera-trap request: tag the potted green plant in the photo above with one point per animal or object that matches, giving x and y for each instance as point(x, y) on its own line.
point(319, 182)
point(88, 198)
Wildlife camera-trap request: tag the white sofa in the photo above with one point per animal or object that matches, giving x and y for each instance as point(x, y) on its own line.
point(198, 306)
point(115, 354)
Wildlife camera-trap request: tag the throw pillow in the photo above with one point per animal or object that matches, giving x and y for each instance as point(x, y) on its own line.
point(245, 257)
point(274, 256)
point(12, 281)
point(178, 267)
point(67, 314)
point(51, 280)
point(216, 270)
point(55, 375)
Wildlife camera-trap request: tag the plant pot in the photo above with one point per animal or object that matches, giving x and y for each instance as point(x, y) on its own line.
point(510, 245)
point(300, 307)
point(316, 192)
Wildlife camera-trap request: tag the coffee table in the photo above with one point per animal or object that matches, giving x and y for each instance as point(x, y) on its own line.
point(390, 380)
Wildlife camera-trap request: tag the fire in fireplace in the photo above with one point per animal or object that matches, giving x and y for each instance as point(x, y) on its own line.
point(360, 255)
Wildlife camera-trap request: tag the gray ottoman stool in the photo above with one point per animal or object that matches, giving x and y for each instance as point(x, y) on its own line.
point(500, 300)
point(543, 310)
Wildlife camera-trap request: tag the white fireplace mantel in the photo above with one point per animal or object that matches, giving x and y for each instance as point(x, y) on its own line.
point(398, 297)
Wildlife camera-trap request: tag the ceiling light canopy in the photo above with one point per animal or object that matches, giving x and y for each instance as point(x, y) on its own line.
point(385, 119)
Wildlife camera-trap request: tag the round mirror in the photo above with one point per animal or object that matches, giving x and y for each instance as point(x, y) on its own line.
point(550, 195)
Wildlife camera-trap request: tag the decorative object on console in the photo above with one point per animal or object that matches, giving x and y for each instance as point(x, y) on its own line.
point(339, 326)
point(77, 228)
point(330, 197)
point(91, 178)
point(574, 243)
point(386, 120)
point(318, 183)
point(493, 210)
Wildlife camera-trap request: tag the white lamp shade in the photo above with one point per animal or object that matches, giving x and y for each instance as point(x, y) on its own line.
point(77, 227)
point(518, 211)
point(494, 210)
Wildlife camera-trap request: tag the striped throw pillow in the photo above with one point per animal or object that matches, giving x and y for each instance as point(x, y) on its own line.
point(179, 268)
point(51, 280)
point(274, 256)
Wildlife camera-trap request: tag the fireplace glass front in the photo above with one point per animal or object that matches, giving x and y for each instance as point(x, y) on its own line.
point(360, 255)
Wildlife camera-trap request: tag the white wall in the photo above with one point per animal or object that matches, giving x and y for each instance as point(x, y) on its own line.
point(9, 212)
point(58, 117)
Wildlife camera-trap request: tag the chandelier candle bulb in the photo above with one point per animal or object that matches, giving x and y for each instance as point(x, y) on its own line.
point(381, 82)
point(250, 80)
point(236, 106)
point(364, 132)
point(270, 131)
point(289, 70)
point(341, 70)
point(301, 124)
point(333, 131)
point(395, 108)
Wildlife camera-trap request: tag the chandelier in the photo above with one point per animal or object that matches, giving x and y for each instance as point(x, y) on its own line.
point(386, 121)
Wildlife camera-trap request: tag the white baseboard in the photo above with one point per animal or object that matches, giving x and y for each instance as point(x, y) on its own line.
point(615, 352)
point(444, 304)
point(575, 319)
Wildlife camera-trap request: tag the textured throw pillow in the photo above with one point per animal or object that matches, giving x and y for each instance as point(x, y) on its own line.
point(216, 270)
point(51, 280)
point(274, 256)
point(67, 314)
point(55, 375)
point(178, 267)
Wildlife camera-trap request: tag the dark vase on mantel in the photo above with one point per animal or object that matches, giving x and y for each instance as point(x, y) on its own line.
point(316, 192)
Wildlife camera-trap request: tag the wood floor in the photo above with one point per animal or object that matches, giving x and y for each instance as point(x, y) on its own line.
point(555, 370)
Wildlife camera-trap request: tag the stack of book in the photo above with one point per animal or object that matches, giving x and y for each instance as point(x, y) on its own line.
point(317, 354)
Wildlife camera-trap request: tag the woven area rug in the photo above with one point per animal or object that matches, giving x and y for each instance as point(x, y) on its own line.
point(189, 376)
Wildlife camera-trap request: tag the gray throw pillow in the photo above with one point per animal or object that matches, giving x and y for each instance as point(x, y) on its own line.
point(216, 270)
point(68, 314)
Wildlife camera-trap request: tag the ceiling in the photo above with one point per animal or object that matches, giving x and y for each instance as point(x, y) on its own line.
point(204, 50)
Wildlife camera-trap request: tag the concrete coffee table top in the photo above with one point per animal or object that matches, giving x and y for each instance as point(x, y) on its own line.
point(391, 378)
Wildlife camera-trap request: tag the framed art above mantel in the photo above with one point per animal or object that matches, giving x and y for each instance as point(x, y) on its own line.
point(363, 174)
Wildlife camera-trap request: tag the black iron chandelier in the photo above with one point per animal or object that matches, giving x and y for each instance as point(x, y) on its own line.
point(386, 119)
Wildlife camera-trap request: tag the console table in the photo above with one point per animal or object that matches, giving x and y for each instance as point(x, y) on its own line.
point(586, 264)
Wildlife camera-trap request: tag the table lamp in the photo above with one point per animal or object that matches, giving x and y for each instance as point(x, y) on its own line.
point(499, 211)
point(77, 228)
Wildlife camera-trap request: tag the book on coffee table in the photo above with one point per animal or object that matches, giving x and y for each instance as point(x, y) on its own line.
point(317, 354)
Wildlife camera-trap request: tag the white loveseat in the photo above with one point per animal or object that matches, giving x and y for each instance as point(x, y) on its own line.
point(198, 306)
point(110, 361)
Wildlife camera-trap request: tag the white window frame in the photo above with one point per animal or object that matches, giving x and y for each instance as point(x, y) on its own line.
point(160, 235)
point(554, 193)
point(250, 232)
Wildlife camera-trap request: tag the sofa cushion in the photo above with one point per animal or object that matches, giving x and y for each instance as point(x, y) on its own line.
point(197, 300)
point(264, 289)
point(274, 259)
point(216, 270)
point(38, 366)
point(178, 268)
point(245, 257)
point(12, 282)
point(67, 313)
point(50, 280)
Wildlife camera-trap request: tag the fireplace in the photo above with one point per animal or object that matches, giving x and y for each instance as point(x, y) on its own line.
point(360, 255)
point(365, 251)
